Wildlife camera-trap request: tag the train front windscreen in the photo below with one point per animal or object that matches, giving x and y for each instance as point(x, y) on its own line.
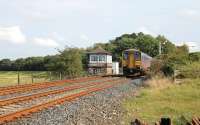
point(125, 55)
point(137, 56)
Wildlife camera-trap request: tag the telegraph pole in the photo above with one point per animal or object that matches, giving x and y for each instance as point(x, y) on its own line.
point(160, 48)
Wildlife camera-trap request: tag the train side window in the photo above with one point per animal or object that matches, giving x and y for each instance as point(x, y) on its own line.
point(125, 55)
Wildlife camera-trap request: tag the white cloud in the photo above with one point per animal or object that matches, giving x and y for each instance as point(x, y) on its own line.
point(36, 9)
point(56, 36)
point(84, 41)
point(46, 42)
point(107, 20)
point(189, 13)
point(145, 30)
point(193, 46)
point(12, 34)
point(84, 37)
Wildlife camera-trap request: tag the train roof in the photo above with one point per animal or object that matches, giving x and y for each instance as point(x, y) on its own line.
point(131, 50)
point(144, 54)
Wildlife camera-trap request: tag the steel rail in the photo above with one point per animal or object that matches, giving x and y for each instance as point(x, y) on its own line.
point(36, 108)
point(42, 86)
point(41, 83)
point(52, 92)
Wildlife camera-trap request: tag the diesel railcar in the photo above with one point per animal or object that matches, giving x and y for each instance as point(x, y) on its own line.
point(135, 61)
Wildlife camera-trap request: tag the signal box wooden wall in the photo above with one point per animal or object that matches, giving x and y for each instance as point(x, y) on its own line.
point(99, 62)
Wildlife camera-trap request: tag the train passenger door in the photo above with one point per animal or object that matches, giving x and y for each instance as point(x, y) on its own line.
point(137, 58)
point(131, 62)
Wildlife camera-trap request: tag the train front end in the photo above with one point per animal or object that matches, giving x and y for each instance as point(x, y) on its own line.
point(131, 62)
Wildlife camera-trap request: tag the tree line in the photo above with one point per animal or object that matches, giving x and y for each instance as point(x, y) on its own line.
point(73, 61)
point(68, 62)
point(143, 42)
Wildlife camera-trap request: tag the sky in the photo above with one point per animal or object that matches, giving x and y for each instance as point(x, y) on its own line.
point(41, 27)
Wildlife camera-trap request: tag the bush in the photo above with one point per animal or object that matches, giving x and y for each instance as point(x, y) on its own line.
point(156, 66)
point(168, 69)
point(194, 56)
point(167, 63)
point(162, 67)
point(191, 70)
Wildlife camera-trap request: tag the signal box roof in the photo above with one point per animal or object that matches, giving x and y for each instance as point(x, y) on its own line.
point(99, 50)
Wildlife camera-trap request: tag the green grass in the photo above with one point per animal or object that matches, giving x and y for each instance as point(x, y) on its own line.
point(175, 102)
point(8, 78)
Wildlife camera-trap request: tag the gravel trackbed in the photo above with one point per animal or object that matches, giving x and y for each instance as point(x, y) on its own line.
point(100, 108)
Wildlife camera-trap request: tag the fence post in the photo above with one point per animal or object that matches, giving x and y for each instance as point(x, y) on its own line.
point(50, 75)
point(32, 77)
point(18, 78)
point(60, 76)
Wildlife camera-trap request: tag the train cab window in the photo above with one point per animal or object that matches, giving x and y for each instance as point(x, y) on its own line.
point(125, 55)
point(137, 55)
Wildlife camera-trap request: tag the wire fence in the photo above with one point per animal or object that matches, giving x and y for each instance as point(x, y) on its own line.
point(8, 78)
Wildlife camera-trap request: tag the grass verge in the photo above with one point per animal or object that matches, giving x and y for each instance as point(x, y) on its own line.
point(175, 101)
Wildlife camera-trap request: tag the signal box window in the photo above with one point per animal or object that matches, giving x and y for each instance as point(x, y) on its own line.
point(102, 58)
point(94, 58)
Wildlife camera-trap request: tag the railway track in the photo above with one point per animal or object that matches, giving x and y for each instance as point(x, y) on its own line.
point(38, 95)
point(24, 88)
point(84, 90)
